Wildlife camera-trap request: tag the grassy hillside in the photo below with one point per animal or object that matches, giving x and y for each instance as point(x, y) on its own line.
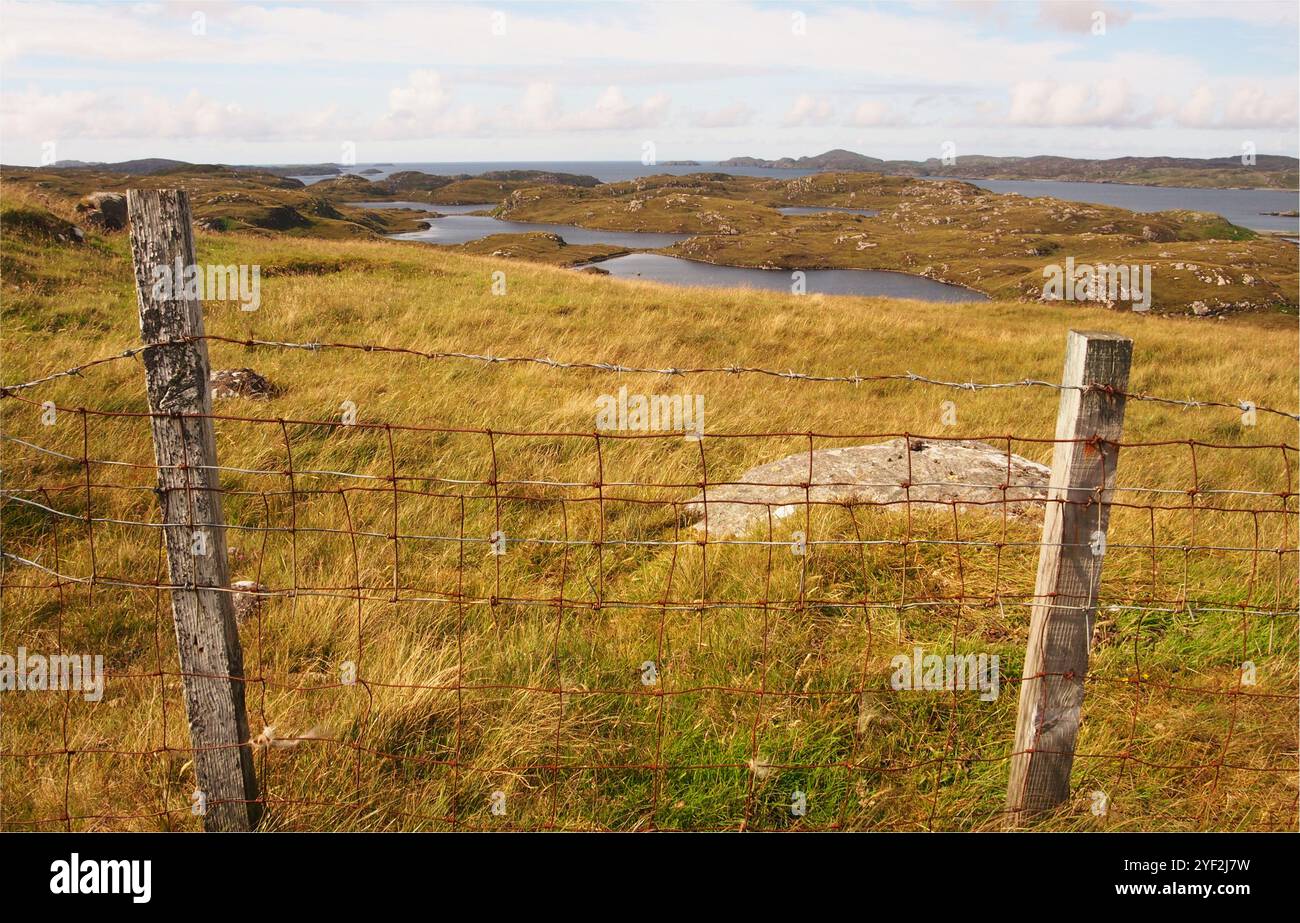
point(521, 673)
point(242, 199)
point(953, 232)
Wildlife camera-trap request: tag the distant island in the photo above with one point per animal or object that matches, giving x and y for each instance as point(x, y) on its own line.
point(296, 169)
point(1268, 172)
point(145, 166)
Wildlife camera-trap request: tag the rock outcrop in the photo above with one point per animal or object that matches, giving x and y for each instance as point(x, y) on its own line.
point(928, 474)
point(105, 211)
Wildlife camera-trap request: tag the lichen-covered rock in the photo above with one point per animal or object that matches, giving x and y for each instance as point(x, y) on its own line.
point(228, 383)
point(247, 599)
point(104, 210)
point(928, 474)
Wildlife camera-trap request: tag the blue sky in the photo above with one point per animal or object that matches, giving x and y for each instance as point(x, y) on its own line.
point(422, 81)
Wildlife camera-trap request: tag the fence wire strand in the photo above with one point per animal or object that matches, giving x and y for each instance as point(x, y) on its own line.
point(668, 371)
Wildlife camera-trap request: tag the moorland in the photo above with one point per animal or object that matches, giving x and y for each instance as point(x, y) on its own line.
point(950, 231)
point(773, 669)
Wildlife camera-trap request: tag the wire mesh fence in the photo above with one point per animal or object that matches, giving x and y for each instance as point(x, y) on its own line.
point(462, 627)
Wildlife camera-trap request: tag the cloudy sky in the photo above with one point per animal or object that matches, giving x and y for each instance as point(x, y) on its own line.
point(426, 81)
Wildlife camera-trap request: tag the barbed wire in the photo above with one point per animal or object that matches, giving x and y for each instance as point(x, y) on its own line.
point(667, 371)
point(611, 435)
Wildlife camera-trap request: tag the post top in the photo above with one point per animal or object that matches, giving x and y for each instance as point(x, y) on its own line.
point(1100, 335)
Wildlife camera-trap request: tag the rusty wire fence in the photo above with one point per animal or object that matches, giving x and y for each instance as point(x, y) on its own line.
point(470, 628)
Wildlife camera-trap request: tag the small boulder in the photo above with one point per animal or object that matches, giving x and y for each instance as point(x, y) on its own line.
point(104, 210)
point(227, 383)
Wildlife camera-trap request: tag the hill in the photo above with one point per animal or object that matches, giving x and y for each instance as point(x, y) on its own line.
point(836, 160)
point(143, 167)
point(1268, 172)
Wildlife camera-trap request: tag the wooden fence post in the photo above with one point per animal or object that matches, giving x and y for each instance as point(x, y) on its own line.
point(1088, 426)
point(176, 374)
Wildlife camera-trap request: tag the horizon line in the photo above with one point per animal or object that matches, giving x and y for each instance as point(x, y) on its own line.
point(665, 162)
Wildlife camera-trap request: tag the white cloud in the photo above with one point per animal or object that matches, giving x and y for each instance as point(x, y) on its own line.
point(99, 115)
point(422, 95)
point(422, 108)
point(1073, 16)
point(1255, 107)
point(809, 110)
point(726, 117)
point(1251, 12)
point(1199, 109)
point(541, 110)
point(876, 113)
point(1046, 103)
point(613, 110)
point(1240, 106)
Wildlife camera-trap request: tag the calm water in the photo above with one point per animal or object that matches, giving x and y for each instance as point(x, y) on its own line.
point(654, 267)
point(1240, 206)
point(460, 229)
point(822, 209)
point(426, 207)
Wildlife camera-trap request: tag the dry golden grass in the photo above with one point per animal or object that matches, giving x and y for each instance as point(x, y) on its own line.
point(540, 700)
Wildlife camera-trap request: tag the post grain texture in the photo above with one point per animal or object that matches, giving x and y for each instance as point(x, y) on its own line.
point(1088, 428)
point(176, 374)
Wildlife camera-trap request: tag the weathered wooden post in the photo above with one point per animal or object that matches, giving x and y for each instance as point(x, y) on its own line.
point(176, 374)
point(1088, 428)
